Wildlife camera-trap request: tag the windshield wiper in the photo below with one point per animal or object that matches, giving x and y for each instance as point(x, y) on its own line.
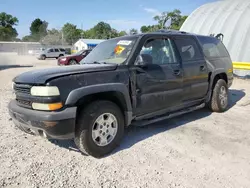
point(96, 62)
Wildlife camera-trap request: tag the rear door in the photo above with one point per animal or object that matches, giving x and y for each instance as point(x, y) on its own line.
point(159, 83)
point(195, 72)
point(57, 52)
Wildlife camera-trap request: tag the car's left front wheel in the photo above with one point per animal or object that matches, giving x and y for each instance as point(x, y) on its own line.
point(99, 128)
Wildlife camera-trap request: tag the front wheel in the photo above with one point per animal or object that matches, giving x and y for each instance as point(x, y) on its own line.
point(73, 62)
point(219, 98)
point(43, 57)
point(99, 128)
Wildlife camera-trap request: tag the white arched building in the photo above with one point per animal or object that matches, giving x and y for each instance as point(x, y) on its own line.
point(232, 19)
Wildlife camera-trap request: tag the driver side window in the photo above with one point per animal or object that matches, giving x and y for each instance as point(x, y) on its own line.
point(158, 51)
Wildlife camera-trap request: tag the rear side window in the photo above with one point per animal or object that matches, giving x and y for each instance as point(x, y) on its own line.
point(62, 50)
point(212, 47)
point(188, 49)
point(56, 50)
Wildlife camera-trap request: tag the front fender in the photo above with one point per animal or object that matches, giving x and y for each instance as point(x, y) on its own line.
point(77, 94)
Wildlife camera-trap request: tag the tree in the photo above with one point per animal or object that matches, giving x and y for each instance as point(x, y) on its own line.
point(122, 33)
point(175, 18)
point(71, 33)
point(38, 29)
point(102, 31)
point(149, 28)
point(28, 38)
point(133, 31)
point(54, 37)
point(7, 30)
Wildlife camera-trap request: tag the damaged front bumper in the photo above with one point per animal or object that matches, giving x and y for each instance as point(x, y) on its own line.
point(55, 125)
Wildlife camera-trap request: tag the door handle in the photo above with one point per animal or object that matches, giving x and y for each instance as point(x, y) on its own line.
point(202, 68)
point(177, 72)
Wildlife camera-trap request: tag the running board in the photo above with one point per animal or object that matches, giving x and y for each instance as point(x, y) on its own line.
point(168, 116)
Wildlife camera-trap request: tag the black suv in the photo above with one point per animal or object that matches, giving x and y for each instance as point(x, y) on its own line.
point(130, 80)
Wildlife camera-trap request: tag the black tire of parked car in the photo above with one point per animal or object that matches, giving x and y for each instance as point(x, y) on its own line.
point(215, 103)
point(85, 122)
point(43, 57)
point(73, 62)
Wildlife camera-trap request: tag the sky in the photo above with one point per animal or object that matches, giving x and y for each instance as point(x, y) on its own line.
point(121, 15)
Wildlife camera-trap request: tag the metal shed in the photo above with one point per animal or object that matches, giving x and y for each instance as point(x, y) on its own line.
point(83, 44)
point(230, 18)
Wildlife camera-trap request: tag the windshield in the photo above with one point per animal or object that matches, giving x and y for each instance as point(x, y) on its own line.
point(111, 51)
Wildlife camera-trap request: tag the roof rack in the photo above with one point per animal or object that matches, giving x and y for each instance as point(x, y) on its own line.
point(171, 31)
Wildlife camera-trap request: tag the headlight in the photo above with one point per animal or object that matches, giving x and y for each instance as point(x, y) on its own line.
point(12, 86)
point(47, 107)
point(45, 91)
point(63, 59)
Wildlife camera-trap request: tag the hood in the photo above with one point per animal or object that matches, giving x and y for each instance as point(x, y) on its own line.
point(69, 56)
point(38, 77)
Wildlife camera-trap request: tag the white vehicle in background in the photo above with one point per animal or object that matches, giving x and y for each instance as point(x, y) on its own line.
point(51, 53)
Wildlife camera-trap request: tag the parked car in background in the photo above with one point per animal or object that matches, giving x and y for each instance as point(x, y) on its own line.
point(51, 53)
point(73, 59)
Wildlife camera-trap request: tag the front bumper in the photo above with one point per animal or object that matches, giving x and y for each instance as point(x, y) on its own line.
point(61, 63)
point(55, 125)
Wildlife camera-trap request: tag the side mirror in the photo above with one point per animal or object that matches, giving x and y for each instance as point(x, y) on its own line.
point(140, 62)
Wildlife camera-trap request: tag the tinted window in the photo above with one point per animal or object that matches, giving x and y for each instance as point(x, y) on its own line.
point(62, 50)
point(212, 47)
point(188, 49)
point(159, 51)
point(56, 50)
point(50, 50)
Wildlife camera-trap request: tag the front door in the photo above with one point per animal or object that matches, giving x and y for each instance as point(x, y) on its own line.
point(50, 52)
point(158, 82)
point(195, 72)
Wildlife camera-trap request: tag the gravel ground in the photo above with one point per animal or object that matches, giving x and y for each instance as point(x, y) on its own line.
point(200, 149)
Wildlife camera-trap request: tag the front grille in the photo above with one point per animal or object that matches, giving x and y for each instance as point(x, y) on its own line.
point(22, 92)
point(24, 103)
point(22, 89)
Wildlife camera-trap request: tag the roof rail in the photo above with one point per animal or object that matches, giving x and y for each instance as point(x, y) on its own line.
point(171, 31)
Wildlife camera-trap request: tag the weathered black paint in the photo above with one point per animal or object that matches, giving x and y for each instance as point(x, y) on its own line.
point(147, 91)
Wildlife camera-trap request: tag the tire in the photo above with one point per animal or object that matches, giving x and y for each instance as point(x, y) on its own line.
point(43, 57)
point(73, 62)
point(219, 98)
point(60, 55)
point(87, 140)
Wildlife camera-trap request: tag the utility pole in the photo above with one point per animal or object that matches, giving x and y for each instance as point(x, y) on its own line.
point(62, 36)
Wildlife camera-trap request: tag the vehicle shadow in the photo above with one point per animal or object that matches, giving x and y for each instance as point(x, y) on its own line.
point(134, 135)
point(3, 67)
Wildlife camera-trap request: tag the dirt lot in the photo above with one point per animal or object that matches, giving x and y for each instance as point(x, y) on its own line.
point(195, 150)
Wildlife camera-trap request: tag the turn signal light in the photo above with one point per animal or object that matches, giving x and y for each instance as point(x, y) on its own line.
point(47, 107)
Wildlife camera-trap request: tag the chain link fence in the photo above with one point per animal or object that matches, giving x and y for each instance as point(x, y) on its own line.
point(28, 48)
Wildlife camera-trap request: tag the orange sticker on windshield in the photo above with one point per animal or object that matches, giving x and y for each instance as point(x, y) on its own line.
point(119, 49)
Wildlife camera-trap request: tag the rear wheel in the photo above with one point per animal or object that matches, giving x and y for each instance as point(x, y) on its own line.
point(219, 98)
point(43, 57)
point(99, 128)
point(59, 56)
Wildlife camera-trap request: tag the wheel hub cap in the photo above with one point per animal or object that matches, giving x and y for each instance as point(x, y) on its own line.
point(223, 96)
point(104, 129)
